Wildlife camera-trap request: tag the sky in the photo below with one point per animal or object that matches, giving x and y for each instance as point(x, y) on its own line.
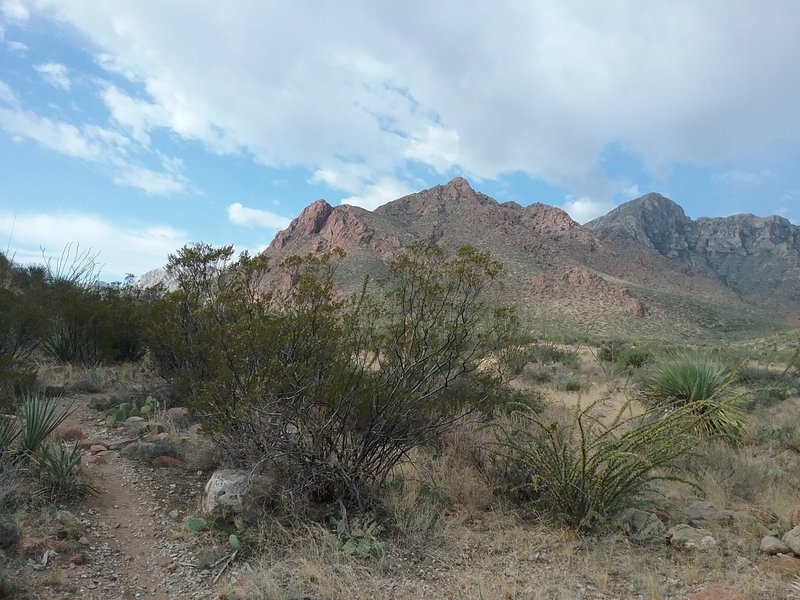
point(133, 127)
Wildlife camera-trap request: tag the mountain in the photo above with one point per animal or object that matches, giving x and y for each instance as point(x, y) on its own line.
point(756, 257)
point(644, 269)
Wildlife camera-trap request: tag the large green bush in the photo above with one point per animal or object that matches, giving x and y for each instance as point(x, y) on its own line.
point(331, 391)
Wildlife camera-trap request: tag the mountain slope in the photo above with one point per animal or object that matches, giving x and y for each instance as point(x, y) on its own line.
point(757, 257)
point(632, 272)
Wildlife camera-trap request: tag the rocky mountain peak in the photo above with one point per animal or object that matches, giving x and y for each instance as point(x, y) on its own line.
point(652, 220)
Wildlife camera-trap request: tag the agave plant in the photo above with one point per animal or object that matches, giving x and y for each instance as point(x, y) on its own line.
point(41, 417)
point(710, 388)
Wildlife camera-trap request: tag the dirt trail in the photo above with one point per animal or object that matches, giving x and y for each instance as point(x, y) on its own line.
point(132, 533)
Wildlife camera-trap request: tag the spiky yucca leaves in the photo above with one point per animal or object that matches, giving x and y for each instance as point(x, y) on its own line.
point(60, 471)
point(707, 386)
point(41, 417)
point(585, 471)
point(9, 431)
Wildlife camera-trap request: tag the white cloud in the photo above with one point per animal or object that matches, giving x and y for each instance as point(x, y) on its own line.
point(122, 249)
point(540, 88)
point(59, 136)
point(14, 10)
point(149, 181)
point(55, 74)
point(585, 209)
point(747, 177)
point(17, 46)
point(372, 195)
point(255, 217)
point(91, 143)
point(631, 192)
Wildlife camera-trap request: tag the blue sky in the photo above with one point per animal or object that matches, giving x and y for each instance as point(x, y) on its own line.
point(135, 126)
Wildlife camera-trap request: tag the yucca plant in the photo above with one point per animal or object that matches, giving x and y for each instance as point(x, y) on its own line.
point(705, 385)
point(60, 471)
point(41, 417)
point(585, 471)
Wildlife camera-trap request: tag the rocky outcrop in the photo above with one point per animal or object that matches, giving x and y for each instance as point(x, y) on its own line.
point(758, 257)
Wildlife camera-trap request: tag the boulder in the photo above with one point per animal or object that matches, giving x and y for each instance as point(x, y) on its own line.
point(702, 511)
point(642, 527)
point(794, 516)
point(686, 537)
point(68, 433)
point(169, 462)
point(792, 539)
point(135, 425)
point(225, 492)
point(772, 545)
point(783, 565)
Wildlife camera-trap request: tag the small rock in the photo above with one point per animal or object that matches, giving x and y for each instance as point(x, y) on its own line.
point(97, 448)
point(119, 445)
point(83, 540)
point(792, 539)
point(33, 546)
point(224, 491)
point(783, 565)
point(702, 511)
point(686, 537)
point(794, 516)
point(642, 527)
point(171, 567)
point(179, 417)
point(135, 425)
point(169, 462)
point(78, 559)
point(719, 592)
point(138, 450)
point(772, 545)
point(68, 433)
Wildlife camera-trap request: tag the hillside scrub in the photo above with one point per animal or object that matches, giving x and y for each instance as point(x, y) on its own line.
point(329, 393)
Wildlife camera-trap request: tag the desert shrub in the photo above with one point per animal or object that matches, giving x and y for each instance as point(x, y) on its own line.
point(584, 471)
point(60, 471)
point(332, 391)
point(570, 384)
point(636, 356)
point(705, 385)
point(40, 417)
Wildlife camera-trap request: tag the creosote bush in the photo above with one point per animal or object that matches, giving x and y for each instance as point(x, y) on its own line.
point(330, 392)
point(585, 471)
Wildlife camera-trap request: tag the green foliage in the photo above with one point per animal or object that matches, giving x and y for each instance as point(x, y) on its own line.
point(709, 388)
point(60, 471)
point(6, 587)
point(585, 471)
point(41, 417)
point(364, 378)
point(625, 354)
point(9, 431)
point(125, 410)
point(356, 536)
point(570, 384)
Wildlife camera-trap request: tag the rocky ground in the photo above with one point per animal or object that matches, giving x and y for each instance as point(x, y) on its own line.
point(130, 540)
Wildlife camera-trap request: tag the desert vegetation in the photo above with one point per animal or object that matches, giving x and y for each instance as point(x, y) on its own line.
point(409, 439)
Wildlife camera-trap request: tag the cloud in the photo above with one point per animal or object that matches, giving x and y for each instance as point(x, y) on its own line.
point(14, 10)
point(631, 192)
point(538, 88)
point(255, 217)
point(55, 74)
point(17, 46)
point(151, 182)
point(92, 143)
point(122, 249)
point(585, 209)
point(746, 177)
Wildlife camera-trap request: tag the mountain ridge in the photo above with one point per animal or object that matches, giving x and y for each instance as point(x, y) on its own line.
point(635, 268)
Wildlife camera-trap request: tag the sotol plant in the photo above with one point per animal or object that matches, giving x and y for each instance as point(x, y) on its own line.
point(704, 385)
point(584, 471)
